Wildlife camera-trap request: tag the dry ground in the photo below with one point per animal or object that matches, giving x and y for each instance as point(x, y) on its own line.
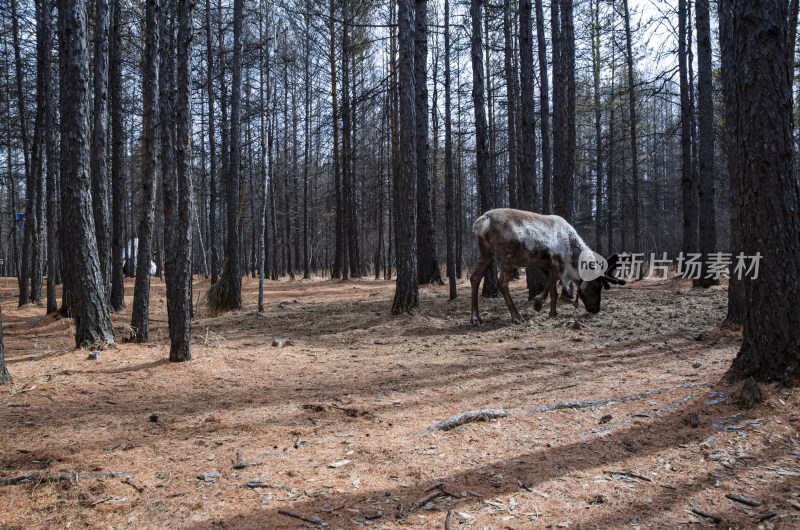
point(330, 419)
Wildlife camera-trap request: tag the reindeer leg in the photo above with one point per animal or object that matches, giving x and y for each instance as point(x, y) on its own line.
point(475, 282)
point(505, 274)
point(539, 299)
point(553, 291)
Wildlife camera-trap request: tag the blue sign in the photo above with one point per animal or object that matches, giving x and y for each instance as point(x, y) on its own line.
point(20, 218)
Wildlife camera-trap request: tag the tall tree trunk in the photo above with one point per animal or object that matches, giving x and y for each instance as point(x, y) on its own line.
point(406, 295)
point(263, 58)
point(306, 140)
point(687, 179)
point(339, 223)
point(99, 140)
point(426, 234)
point(449, 177)
point(88, 302)
point(705, 135)
point(544, 108)
point(634, 139)
point(5, 377)
point(45, 65)
point(178, 202)
point(233, 180)
point(567, 57)
point(730, 71)
point(771, 195)
point(212, 148)
point(30, 185)
point(511, 106)
point(528, 196)
point(118, 183)
point(559, 111)
point(141, 289)
point(486, 191)
point(598, 128)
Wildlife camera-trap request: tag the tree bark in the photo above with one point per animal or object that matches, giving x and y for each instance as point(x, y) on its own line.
point(771, 195)
point(99, 140)
point(429, 271)
point(705, 144)
point(233, 181)
point(449, 177)
point(88, 303)
point(339, 223)
point(687, 178)
point(634, 140)
point(118, 183)
point(406, 296)
point(5, 377)
point(486, 191)
point(212, 148)
point(544, 108)
point(141, 288)
point(729, 71)
point(598, 128)
point(511, 104)
point(178, 198)
point(45, 64)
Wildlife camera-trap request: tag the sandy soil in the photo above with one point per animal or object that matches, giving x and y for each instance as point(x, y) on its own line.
point(330, 420)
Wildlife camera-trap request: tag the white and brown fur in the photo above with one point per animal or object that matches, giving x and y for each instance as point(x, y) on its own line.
point(516, 238)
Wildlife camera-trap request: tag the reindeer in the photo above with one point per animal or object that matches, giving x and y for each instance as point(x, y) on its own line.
point(516, 238)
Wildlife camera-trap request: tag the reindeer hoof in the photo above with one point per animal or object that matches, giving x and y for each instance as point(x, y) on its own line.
point(537, 304)
point(516, 320)
point(476, 320)
point(552, 314)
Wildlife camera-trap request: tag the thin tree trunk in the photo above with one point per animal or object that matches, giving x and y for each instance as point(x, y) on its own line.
point(179, 253)
point(544, 108)
point(233, 180)
point(100, 139)
point(5, 377)
point(429, 271)
point(598, 129)
point(141, 289)
point(486, 192)
point(730, 71)
point(406, 296)
point(50, 143)
point(307, 141)
point(559, 111)
point(449, 177)
point(88, 303)
point(511, 107)
point(687, 179)
point(339, 222)
point(212, 148)
point(705, 135)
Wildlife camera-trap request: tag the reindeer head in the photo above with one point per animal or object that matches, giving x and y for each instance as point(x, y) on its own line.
point(591, 291)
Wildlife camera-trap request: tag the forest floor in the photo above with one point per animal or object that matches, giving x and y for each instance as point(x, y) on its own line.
point(326, 427)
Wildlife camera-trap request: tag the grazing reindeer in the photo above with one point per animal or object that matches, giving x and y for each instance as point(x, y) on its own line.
point(516, 238)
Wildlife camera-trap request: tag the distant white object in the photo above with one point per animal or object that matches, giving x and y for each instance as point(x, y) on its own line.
point(133, 250)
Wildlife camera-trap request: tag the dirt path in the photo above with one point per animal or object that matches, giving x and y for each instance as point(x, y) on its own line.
point(328, 420)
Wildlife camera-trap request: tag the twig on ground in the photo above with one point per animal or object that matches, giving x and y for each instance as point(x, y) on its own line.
point(27, 477)
point(447, 520)
point(433, 487)
point(628, 473)
point(428, 497)
point(595, 402)
point(313, 519)
point(242, 465)
point(134, 486)
point(706, 515)
point(743, 500)
point(465, 417)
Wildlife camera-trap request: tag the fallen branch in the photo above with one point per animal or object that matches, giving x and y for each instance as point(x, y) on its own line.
point(743, 500)
point(27, 477)
point(465, 417)
point(313, 519)
point(242, 465)
point(259, 484)
point(489, 414)
point(447, 520)
point(628, 473)
point(428, 497)
point(706, 515)
point(605, 401)
point(134, 486)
